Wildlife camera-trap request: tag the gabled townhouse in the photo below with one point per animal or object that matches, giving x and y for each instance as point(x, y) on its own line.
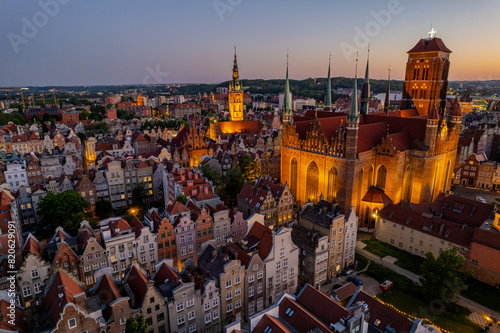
point(229, 275)
point(239, 225)
point(66, 260)
point(34, 171)
point(119, 240)
point(51, 166)
point(146, 243)
point(184, 301)
point(254, 281)
point(101, 185)
point(10, 216)
point(92, 253)
point(116, 184)
point(185, 236)
point(167, 248)
point(35, 144)
point(221, 223)
point(147, 300)
point(115, 303)
point(26, 212)
point(210, 295)
point(203, 222)
point(20, 143)
point(274, 201)
point(87, 191)
point(33, 274)
point(280, 256)
point(66, 304)
point(15, 175)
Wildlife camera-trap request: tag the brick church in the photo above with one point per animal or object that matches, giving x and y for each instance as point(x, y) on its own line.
point(368, 160)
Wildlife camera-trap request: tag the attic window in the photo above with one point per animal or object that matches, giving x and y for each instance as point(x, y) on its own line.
point(268, 329)
point(289, 312)
point(377, 323)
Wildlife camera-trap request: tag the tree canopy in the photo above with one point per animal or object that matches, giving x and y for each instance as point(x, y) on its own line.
point(444, 277)
point(182, 199)
point(67, 209)
point(139, 195)
point(136, 325)
point(249, 169)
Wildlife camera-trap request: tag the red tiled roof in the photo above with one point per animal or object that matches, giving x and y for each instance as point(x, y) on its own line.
point(241, 255)
point(274, 323)
point(376, 195)
point(487, 238)
point(346, 291)
point(386, 315)
point(301, 319)
point(167, 273)
point(61, 285)
point(137, 282)
point(264, 234)
point(321, 305)
point(108, 290)
point(19, 318)
point(430, 45)
point(176, 208)
point(136, 225)
point(31, 245)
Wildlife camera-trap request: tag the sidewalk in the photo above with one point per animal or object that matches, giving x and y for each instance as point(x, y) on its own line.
point(465, 302)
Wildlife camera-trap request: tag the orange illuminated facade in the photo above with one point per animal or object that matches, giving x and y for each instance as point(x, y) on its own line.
point(235, 94)
point(368, 161)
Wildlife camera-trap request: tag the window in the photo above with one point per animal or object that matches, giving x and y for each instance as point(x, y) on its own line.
point(278, 265)
point(216, 313)
point(34, 273)
point(192, 328)
point(38, 287)
point(229, 307)
point(180, 307)
point(285, 275)
point(207, 306)
point(250, 291)
point(260, 275)
point(237, 304)
point(190, 302)
point(26, 291)
point(237, 280)
point(181, 320)
point(292, 272)
point(229, 295)
point(285, 262)
point(251, 278)
point(237, 292)
point(72, 323)
point(215, 302)
point(191, 315)
point(259, 287)
point(208, 318)
point(228, 284)
point(282, 252)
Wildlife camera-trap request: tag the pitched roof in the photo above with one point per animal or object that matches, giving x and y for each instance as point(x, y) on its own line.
point(239, 253)
point(487, 238)
point(61, 292)
point(273, 323)
point(321, 305)
point(265, 237)
point(31, 245)
point(429, 45)
point(137, 282)
point(167, 273)
point(137, 226)
point(176, 208)
point(19, 318)
point(346, 291)
point(300, 319)
point(376, 195)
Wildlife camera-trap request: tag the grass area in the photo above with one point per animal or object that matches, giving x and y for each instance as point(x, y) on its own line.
point(407, 297)
point(405, 260)
point(362, 261)
point(477, 292)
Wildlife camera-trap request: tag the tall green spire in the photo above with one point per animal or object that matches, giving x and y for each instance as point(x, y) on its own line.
point(353, 115)
point(328, 103)
point(287, 101)
point(365, 90)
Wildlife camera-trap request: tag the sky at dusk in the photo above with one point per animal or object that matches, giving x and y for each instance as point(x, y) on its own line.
point(99, 42)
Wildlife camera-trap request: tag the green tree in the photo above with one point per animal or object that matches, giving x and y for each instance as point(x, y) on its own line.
point(136, 325)
point(84, 115)
point(82, 137)
point(233, 182)
point(139, 195)
point(444, 277)
point(103, 209)
point(66, 209)
point(249, 169)
point(210, 174)
point(182, 199)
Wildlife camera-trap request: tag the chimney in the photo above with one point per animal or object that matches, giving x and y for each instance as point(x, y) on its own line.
point(79, 300)
point(206, 190)
point(441, 228)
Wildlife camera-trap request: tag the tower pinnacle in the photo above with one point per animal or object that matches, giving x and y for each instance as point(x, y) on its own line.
point(328, 102)
point(387, 101)
point(365, 90)
point(287, 101)
point(353, 116)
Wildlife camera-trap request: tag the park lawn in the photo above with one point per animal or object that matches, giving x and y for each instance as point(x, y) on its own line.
point(477, 291)
point(407, 297)
point(405, 260)
point(362, 261)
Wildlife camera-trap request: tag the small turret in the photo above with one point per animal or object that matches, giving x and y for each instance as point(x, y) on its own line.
point(365, 90)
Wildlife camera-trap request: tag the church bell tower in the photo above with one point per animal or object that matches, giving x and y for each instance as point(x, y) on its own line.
point(235, 97)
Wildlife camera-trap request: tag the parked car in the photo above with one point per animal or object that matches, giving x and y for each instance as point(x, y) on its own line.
point(386, 285)
point(480, 199)
point(354, 280)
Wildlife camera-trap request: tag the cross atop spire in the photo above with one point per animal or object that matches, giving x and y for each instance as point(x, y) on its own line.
point(432, 33)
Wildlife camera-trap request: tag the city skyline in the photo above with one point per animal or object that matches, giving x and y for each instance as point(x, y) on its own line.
point(94, 43)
